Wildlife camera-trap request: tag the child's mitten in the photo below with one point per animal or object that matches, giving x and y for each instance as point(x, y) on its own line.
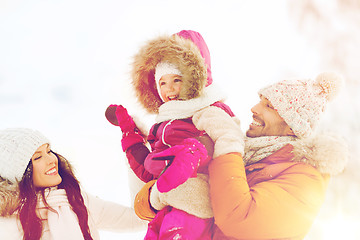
point(118, 116)
point(186, 159)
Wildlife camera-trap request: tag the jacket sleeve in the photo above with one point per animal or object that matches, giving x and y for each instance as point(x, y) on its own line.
point(112, 216)
point(142, 204)
point(283, 207)
point(222, 128)
point(137, 154)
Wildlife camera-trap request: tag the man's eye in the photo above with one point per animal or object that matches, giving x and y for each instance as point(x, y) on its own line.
point(177, 80)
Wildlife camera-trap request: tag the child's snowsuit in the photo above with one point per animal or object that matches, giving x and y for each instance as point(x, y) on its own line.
point(174, 126)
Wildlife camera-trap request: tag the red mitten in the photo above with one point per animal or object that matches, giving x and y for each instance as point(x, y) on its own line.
point(186, 160)
point(118, 116)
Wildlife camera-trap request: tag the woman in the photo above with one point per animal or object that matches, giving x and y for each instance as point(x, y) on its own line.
point(40, 198)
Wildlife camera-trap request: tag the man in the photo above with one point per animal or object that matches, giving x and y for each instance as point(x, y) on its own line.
point(275, 190)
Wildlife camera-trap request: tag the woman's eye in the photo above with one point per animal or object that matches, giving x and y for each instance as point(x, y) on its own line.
point(177, 80)
point(37, 158)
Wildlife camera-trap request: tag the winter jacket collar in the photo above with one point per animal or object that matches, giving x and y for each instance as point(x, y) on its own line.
point(185, 109)
point(259, 148)
point(327, 153)
point(9, 198)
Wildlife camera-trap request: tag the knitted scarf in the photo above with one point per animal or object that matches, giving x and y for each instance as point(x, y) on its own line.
point(62, 224)
point(181, 109)
point(259, 148)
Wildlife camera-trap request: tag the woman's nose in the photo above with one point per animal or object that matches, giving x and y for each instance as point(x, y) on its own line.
point(50, 159)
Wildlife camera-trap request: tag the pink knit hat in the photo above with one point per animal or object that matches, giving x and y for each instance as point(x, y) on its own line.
point(301, 102)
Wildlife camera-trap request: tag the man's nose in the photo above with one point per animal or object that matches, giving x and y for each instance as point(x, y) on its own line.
point(255, 108)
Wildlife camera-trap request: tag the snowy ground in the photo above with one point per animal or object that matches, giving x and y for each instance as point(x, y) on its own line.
point(63, 62)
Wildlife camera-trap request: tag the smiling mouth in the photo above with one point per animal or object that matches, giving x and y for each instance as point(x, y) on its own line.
point(52, 171)
point(171, 98)
point(256, 123)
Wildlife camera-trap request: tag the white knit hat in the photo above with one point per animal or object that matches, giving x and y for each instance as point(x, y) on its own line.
point(17, 146)
point(163, 68)
point(301, 102)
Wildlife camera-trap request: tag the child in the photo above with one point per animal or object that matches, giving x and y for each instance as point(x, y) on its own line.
point(40, 198)
point(172, 78)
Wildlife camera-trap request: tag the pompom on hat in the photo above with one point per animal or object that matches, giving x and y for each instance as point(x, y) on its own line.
point(301, 102)
point(17, 146)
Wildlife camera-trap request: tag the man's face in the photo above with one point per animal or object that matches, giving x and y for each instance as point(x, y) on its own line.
point(267, 121)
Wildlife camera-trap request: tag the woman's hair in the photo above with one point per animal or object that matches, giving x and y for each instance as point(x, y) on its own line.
point(31, 223)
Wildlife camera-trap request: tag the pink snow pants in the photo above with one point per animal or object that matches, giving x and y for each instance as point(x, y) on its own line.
point(175, 224)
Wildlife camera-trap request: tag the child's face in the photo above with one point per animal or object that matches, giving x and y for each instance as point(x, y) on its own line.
point(170, 86)
point(45, 168)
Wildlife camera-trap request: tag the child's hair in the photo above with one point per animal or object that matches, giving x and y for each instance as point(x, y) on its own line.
point(31, 223)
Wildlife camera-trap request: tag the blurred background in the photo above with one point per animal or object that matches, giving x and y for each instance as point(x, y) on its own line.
point(63, 62)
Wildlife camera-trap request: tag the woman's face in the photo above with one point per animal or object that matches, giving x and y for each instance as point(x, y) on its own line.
point(45, 167)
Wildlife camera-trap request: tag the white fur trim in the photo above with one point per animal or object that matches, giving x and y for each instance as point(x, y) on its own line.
point(327, 153)
point(180, 109)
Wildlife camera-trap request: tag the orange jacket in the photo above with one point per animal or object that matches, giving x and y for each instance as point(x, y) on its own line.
point(272, 199)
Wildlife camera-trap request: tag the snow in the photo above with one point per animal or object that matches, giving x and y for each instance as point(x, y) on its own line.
point(63, 62)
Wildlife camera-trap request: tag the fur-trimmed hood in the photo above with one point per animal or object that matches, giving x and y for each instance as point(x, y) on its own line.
point(327, 153)
point(9, 192)
point(188, 51)
point(9, 197)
